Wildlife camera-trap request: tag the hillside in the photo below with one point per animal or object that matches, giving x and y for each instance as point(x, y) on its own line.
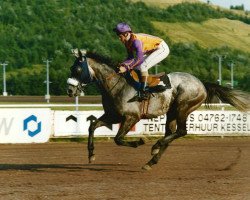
point(31, 32)
point(167, 3)
point(164, 3)
point(213, 33)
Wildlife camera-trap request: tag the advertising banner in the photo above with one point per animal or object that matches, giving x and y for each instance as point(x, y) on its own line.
point(25, 125)
point(68, 123)
point(77, 123)
point(225, 122)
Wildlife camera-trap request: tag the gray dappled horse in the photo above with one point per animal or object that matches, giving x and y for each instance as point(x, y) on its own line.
point(185, 96)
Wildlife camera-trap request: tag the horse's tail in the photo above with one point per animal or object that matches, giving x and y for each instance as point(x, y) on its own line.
point(239, 99)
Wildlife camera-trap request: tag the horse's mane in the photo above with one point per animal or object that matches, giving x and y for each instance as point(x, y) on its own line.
point(102, 59)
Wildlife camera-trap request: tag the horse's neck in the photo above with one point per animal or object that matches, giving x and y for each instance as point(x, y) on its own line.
point(106, 76)
point(101, 71)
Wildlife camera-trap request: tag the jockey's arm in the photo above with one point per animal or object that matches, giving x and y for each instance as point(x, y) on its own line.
point(130, 55)
point(135, 61)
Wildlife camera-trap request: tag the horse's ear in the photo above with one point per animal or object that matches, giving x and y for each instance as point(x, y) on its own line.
point(80, 54)
point(75, 52)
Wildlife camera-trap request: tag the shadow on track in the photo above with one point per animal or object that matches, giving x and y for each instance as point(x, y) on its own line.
point(68, 167)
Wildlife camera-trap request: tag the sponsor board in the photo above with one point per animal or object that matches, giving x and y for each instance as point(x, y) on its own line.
point(73, 123)
point(36, 125)
point(24, 125)
point(225, 122)
point(68, 123)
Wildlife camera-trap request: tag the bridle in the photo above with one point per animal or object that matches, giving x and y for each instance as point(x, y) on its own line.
point(80, 85)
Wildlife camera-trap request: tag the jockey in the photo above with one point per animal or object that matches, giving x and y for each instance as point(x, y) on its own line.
point(149, 50)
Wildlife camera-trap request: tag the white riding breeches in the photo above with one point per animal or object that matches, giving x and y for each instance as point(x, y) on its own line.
point(152, 59)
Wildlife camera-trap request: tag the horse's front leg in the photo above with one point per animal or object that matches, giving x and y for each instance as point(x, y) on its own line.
point(92, 128)
point(104, 120)
point(127, 123)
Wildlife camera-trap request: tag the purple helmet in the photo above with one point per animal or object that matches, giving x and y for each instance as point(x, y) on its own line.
point(122, 28)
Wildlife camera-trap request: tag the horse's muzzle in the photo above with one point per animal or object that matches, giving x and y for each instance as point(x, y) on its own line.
point(73, 91)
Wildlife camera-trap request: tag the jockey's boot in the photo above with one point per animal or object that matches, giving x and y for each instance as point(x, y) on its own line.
point(142, 94)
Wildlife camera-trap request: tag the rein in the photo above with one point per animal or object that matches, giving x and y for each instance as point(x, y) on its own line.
point(111, 76)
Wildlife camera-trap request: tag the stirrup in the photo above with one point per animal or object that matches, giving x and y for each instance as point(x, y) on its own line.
point(140, 96)
point(143, 95)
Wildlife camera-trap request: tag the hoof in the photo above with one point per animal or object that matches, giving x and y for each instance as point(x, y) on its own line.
point(91, 159)
point(142, 141)
point(155, 151)
point(146, 167)
point(145, 140)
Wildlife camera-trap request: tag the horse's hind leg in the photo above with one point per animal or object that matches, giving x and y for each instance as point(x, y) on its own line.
point(182, 112)
point(165, 141)
point(160, 146)
point(128, 122)
point(170, 128)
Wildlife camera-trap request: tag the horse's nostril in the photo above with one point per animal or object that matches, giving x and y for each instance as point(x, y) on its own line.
point(70, 92)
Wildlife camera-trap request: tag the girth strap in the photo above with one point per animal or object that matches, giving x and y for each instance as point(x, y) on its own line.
point(144, 108)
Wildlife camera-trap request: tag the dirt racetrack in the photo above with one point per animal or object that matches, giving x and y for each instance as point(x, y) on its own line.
point(202, 168)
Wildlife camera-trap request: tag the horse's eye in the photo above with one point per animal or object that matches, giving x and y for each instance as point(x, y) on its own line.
point(78, 70)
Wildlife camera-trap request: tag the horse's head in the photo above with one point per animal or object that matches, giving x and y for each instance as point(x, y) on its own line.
point(80, 75)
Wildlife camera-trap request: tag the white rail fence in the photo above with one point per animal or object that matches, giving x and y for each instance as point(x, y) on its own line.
point(78, 105)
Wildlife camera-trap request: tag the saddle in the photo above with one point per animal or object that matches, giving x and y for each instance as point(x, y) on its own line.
point(155, 83)
point(152, 80)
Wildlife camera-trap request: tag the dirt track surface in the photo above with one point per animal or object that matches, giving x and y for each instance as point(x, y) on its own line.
point(205, 168)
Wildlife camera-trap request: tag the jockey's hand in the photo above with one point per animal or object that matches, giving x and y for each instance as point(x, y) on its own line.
point(122, 69)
